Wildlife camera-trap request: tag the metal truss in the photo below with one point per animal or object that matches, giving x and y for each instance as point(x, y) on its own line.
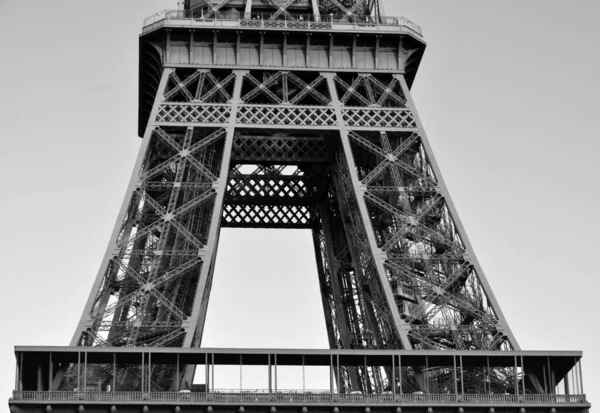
point(350, 10)
point(344, 155)
point(273, 10)
point(211, 8)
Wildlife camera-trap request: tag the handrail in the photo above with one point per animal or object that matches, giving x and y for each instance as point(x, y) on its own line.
point(310, 396)
point(301, 20)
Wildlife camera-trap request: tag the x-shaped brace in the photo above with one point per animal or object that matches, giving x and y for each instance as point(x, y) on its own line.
point(215, 9)
point(282, 9)
point(348, 12)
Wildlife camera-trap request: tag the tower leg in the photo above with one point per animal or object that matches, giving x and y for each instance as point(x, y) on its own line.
point(368, 258)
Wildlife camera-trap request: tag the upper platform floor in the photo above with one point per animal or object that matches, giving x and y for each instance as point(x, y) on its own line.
point(258, 379)
point(263, 20)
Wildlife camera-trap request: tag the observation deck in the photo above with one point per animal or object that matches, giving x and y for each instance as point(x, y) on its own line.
point(531, 381)
point(259, 20)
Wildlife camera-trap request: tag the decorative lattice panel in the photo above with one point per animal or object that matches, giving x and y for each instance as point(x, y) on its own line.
point(261, 188)
point(385, 118)
point(295, 116)
point(190, 113)
point(266, 216)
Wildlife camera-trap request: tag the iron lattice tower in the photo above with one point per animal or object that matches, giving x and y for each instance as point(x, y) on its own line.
point(290, 114)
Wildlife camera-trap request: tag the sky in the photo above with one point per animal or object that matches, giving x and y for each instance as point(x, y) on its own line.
point(508, 92)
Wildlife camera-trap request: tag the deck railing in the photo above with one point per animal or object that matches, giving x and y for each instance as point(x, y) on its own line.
point(262, 20)
point(295, 397)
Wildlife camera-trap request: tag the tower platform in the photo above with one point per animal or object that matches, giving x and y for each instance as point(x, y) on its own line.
point(442, 381)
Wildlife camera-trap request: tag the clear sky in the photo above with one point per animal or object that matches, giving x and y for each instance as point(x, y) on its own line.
point(509, 95)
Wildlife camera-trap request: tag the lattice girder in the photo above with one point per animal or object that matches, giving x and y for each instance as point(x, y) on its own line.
point(283, 147)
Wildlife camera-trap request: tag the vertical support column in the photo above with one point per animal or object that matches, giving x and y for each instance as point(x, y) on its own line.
point(114, 381)
point(275, 373)
point(516, 378)
point(307, 49)
point(269, 374)
point(191, 51)
point(195, 328)
point(303, 375)
point(524, 375)
point(393, 384)
point(149, 372)
point(354, 51)
point(238, 48)
point(214, 51)
point(207, 380)
point(212, 376)
point(337, 365)
point(462, 378)
point(331, 373)
point(284, 50)
point(331, 46)
point(580, 376)
point(261, 49)
point(143, 372)
point(168, 46)
point(454, 376)
point(377, 41)
point(50, 368)
point(400, 374)
point(85, 354)
point(17, 372)
point(20, 387)
point(177, 378)
point(379, 257)
point(39, 386)
point(79, 371)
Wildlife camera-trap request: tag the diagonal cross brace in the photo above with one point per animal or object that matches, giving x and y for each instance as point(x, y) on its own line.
point(348, 12)
point(351, 91)
point(282, 9)
point(308, 89)
point(182, 86)
point(262, 87)
point(215, 9)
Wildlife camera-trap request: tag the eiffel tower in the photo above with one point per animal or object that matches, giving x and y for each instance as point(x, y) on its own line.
point(291, 114)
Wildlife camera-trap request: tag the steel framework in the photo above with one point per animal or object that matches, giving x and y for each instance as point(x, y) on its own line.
point(291, 114)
